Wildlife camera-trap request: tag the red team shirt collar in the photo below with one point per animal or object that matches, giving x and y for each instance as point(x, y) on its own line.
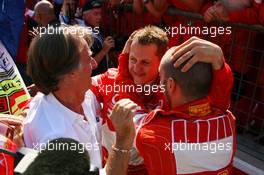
point(199, 108)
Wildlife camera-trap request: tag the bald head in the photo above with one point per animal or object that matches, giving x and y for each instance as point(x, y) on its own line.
point(44, 6)
point(195, 83)
point(167, 56)
point(44, 12)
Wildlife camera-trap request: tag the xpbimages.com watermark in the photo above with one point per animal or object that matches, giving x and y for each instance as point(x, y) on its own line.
point(117, 88)
point(66, 30)
point(196, 30)
point(205, 146)
point(80, 147)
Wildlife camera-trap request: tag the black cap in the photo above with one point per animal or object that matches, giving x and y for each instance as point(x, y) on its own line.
point(91, 4)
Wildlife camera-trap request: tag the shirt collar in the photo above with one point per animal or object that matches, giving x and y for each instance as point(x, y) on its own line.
point(71, 115)
point(199, 108)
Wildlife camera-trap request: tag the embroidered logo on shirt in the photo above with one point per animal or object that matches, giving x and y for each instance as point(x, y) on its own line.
point(225, 172)
point(199, 110)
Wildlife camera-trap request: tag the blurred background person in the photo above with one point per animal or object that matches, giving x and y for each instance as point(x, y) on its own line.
point(68, 13)
point(44, 14)
point(92, 16)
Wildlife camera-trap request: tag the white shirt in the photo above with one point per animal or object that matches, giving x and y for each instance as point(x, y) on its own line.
point(48, 119)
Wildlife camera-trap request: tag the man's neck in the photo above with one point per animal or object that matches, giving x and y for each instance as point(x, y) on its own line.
point(72, 101)
point(178, 103)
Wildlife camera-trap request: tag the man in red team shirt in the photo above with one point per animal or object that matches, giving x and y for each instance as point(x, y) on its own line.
point(138, 65)
point(197, 136)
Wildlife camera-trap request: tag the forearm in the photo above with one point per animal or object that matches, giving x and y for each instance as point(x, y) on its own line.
point(194, 6)
point(222, 83)
point(122, 119)
point(99, 57)
point(221, 87)
point(138, 6)
point(160, 4)
point(117, 163)
point(218, 63)
point(153, 11)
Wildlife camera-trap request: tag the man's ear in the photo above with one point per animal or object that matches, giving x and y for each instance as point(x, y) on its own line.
point(171, 85)
point(174, 89)
point(69, 77)
point(72, 74)
point(36, 18)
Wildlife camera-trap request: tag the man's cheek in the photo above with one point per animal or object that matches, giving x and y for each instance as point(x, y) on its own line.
point(130, 70)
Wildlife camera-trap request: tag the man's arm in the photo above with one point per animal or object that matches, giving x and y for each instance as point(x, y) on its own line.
point(138, 6)
point(107, 45)
point(122, 119)
point(117, 162)
point(197, 50)
point(221, 87)
point(98, 86)
point(156, 8)
point(100, 55)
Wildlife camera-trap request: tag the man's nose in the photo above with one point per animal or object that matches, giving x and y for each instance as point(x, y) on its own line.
point(137, 67)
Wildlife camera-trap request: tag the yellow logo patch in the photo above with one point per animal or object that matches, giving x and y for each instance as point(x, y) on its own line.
point(199, 110)
point(225, 172)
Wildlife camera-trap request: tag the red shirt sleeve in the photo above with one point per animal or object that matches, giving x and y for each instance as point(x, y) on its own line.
point(98, 87)
point(123, 74)
point(221, 88)
point(103, 84)
point(248, 15)
point(261, 14)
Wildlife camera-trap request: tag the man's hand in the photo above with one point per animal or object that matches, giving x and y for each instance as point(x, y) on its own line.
point(127, 46)
point(198, 50)
point(13, 126)
point(221, 12)
point(18, 136)
point(122, 119)
point(216, 12)
point(209, 15)
point(109, 43)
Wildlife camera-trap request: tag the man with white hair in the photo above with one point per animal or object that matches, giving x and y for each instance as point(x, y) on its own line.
point(92, 16)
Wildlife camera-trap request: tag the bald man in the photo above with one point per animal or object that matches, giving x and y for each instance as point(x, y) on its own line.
point(44, 14)
point(195, 137)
